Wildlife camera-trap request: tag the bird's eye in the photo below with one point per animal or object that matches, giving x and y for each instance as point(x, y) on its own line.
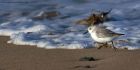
point(89, 28)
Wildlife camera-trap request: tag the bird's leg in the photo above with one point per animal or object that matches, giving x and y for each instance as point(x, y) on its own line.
point(113, 45)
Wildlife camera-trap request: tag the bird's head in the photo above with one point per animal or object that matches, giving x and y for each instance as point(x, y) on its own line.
point(91, 28)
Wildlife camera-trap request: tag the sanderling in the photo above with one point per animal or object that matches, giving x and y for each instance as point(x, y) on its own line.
point(98, 17)
point(102, 35)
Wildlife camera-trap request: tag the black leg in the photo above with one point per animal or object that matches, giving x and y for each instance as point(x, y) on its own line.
point(113, 45)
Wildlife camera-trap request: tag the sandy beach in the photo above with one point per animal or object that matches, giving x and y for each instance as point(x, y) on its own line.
point(56, 29)
point(15, 57)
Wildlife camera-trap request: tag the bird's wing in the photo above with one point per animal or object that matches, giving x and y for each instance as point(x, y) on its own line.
point(103, 32)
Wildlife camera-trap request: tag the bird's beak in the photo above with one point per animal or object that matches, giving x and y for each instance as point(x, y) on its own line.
point(85, 32)
point(106, 13)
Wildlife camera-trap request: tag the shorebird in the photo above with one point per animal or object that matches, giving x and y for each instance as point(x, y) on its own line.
point(102, 35)
point(99, 17)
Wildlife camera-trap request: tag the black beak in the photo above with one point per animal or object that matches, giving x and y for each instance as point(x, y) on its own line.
point(85, 32)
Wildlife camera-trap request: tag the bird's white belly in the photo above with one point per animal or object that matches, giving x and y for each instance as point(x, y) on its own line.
point(100, 40)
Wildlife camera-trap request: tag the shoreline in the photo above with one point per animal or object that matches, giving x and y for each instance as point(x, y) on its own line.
point(19, 57)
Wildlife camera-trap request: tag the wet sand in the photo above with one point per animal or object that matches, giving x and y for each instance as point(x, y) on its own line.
point(17, 57)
